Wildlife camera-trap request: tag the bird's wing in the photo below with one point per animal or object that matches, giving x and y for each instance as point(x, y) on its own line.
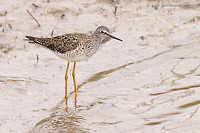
point(60, 44)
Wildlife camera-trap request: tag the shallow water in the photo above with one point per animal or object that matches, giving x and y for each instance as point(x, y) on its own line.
point(149, 82)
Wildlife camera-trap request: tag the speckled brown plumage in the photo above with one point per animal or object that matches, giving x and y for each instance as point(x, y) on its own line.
point(74, 47)
point(60, 44)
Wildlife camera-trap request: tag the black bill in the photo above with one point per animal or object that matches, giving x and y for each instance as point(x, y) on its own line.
point(114, 37)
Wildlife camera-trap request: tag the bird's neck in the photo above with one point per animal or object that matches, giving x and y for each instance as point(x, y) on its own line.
point(96, 39)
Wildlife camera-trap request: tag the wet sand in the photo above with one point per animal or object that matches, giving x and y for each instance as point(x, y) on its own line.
point(147, 83)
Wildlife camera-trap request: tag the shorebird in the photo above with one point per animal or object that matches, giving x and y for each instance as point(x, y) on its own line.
point(74, 47)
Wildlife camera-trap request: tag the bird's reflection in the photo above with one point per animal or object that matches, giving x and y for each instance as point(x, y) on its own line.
point(61, 121)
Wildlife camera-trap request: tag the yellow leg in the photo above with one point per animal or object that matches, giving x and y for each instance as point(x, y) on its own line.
point(66, 77)
point(75, 101)
point(73, 74)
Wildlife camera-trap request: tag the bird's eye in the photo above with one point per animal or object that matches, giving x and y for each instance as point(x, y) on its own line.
point(101, 31)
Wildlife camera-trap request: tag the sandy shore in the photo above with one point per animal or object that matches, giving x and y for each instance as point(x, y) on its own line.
point(147, 83)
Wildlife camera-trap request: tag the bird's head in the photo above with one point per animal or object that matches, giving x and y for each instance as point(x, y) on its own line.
point(103, 33)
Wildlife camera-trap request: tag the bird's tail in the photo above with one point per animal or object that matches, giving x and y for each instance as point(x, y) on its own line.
point(41, 41)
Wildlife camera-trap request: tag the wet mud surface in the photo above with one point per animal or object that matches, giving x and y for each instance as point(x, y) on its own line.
point(147, 83)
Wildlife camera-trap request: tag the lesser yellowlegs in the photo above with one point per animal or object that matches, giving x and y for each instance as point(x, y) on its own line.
point(74, 47)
